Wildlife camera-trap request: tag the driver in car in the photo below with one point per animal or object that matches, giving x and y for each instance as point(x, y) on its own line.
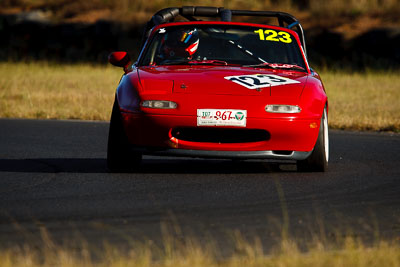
point(178, 44)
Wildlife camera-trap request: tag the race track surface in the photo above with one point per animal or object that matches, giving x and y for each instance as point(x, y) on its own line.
point(53, 179)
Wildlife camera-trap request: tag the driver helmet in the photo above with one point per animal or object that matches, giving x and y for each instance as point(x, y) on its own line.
point(180, 43)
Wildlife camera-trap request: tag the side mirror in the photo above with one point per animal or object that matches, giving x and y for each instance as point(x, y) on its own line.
point(120, 59)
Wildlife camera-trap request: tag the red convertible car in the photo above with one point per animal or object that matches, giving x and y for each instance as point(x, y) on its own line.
point(219, 89)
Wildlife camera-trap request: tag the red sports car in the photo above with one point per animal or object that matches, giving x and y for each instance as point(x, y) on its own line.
point(219, 89)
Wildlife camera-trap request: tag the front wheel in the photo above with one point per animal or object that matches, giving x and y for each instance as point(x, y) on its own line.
point(120, 158)
point(318, 160)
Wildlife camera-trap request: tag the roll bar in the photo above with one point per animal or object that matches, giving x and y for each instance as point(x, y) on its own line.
point(191, 12)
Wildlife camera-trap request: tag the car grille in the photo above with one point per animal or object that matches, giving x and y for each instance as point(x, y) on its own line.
point(220, 135)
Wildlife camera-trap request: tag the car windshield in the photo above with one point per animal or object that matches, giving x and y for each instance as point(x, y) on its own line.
point(224, 45)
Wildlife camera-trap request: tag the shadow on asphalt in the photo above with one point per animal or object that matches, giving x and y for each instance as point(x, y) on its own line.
point(98, 165)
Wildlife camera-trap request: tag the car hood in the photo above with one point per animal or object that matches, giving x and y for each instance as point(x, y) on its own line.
point(221, 80)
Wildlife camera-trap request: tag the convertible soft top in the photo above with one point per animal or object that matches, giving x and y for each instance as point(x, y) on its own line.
point(192, 12)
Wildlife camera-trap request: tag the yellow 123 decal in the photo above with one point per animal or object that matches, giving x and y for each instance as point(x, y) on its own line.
point(272, 35)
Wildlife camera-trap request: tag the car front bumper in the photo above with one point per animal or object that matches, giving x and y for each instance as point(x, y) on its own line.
point(268, 154)
point(289, 138)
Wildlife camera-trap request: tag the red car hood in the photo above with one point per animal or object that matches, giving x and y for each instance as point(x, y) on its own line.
point(225, 80)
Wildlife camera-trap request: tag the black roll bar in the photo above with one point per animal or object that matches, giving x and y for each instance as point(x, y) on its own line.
point(191, 12)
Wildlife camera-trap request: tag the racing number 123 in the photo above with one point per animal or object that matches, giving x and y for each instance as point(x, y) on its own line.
point(271, 35)
point(256, 81)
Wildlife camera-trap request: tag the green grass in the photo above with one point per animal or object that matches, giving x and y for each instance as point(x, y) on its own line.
point(357, 101)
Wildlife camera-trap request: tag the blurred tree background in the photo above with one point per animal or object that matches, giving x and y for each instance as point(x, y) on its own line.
point(350, 34)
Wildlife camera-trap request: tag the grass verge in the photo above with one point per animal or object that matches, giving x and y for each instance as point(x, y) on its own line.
point(363, 101)
point(51, 91)
point(349, 253)
point(357, 101)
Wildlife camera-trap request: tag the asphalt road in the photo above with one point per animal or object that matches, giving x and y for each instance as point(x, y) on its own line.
point(53, 180)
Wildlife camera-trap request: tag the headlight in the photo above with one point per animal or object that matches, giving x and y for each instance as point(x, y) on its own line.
point(158, 104)
point(282, 109)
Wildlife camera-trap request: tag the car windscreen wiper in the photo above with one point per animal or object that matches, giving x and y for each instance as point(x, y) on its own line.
point(194, 62)
point(277, 66)
point(208, 62)
point(288, 66)
point(261, 65)
point(180, 61)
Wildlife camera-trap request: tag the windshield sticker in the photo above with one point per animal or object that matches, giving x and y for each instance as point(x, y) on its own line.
point(162, 30)
point(272, 35)
point(256, 81)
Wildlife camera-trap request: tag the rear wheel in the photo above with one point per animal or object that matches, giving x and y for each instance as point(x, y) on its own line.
point(318, 160)
point(120, 158)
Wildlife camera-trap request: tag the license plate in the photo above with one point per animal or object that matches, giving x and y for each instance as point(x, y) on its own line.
point(221, 117)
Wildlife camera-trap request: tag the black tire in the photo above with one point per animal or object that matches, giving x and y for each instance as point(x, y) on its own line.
point(120, 157)
point(318, 160)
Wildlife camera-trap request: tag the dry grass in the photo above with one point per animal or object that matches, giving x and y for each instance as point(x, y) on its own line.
point(141, 10)
point(349, 253)
point(363, 101)
point(47, 91)
point(343, 6)
point(352, 7)
point(357, 101)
